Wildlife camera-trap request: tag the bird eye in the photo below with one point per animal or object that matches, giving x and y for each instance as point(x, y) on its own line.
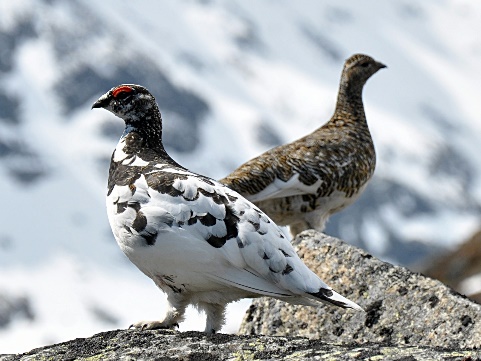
point(122, 92)
point(365, 64)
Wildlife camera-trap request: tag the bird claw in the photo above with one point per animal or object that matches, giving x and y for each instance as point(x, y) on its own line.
point(152, 325)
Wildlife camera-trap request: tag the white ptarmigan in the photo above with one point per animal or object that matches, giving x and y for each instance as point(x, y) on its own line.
point(302, 183)
point(199, 241)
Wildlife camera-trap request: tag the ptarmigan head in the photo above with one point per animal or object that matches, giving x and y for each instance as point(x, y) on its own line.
point(133, 103)
point(359, 68)
point(143, 122)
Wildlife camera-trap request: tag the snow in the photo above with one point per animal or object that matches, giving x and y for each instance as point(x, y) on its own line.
point(252, 61)
point(471, 285)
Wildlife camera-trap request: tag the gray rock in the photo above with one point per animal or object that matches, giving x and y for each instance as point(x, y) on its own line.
point(402, 307)
point(409, 317)
point(170, 345)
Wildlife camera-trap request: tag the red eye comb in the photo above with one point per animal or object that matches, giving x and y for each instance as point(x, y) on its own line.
point(121, 89)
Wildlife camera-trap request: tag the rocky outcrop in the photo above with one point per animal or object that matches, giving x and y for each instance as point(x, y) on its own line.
point(408, 317)
point(196, 346)
point(402, 307)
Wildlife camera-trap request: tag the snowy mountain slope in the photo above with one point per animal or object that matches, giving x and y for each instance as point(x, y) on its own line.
point(232, 79)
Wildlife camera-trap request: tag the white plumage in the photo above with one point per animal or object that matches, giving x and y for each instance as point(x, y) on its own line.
point(199, 241)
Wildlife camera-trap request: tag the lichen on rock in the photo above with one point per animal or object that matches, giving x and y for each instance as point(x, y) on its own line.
point(195, 346)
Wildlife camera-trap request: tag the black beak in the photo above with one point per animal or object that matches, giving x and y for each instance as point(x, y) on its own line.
point(381, 65)
point(101, 103)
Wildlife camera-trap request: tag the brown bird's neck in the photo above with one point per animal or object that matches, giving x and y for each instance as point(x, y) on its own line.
point(349, 102)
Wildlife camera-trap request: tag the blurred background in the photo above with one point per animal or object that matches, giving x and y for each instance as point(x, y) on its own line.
point(232, 78)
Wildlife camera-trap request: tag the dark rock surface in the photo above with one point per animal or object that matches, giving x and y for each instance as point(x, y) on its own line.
point(402, 307)
point(190, 346)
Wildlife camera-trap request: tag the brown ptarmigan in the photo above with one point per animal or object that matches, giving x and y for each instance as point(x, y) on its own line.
point(199, 241)
point(302, 183)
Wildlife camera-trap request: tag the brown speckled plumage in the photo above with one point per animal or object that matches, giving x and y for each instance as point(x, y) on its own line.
point(333, 164)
